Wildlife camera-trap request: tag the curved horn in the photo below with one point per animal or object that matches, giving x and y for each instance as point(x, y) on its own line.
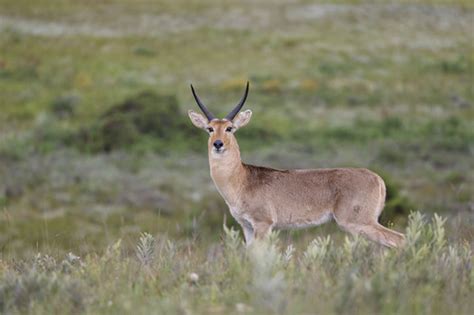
point(204, 109)
point(237, 108)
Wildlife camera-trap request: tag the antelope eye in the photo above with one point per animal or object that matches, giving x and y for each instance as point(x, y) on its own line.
point(210, 129)
point(228, 129)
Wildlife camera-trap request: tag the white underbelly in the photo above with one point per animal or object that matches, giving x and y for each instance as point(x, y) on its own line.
point(301, 224)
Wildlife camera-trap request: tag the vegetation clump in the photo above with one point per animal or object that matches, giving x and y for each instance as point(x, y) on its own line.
point(146, 119)
point(64, 106)
point(397, 206)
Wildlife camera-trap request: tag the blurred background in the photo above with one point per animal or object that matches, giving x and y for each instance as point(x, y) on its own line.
point(95, 143)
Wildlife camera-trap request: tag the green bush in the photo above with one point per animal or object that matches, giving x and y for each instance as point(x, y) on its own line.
point(143, 120)
point(64, 106)
point(397, 206)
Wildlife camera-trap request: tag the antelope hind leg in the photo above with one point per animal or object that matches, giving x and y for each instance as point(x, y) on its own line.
point(377, 233)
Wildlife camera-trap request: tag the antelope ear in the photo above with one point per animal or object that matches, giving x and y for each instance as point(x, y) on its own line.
point(242, 119)
point(197, 119)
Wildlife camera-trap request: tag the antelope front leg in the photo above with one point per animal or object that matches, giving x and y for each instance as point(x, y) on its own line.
point(262, 229)
point(249, 232)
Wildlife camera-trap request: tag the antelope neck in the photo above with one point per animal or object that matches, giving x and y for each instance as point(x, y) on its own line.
point(227, 172)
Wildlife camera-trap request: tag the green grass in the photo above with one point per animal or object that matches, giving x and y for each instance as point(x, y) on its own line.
point(429, 275)
point(388, 86)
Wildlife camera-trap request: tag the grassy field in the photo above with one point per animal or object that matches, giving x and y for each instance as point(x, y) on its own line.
point(383, 85)
point(165, 276)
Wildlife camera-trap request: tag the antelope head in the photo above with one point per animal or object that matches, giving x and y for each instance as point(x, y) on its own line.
point(221, 131)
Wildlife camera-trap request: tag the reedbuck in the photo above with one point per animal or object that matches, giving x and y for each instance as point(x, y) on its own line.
point(262, 198)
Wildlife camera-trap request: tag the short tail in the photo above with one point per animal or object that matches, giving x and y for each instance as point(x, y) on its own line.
point(383, 195)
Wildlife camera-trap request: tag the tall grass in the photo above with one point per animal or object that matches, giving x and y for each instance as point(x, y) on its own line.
point(428, 275)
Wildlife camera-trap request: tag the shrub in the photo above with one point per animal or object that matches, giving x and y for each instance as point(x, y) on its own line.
point(64, 106)
point(45, 284)
point(146, 119)
point(396, 204)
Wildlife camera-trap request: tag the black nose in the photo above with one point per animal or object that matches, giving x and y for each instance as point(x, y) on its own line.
point(218, 144)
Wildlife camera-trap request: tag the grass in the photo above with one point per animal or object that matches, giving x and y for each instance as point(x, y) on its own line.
point(429, 275)
point(388, 86)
